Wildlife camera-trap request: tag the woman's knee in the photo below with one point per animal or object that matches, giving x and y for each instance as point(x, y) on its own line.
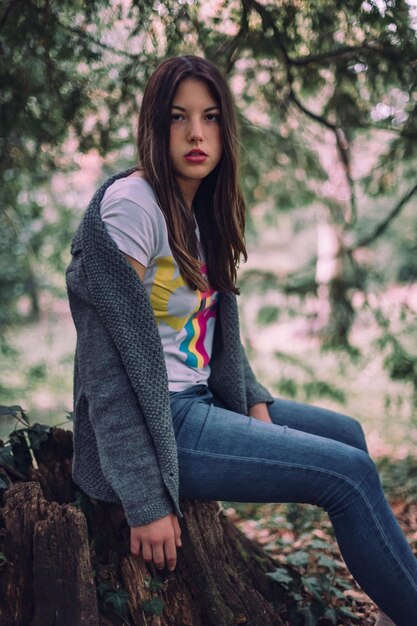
point(357, 479)
point(357, 434)
point(345, 476)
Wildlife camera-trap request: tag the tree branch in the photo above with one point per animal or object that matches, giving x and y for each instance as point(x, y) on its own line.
point(344, 52)
point(381, 228)
point(341, 139)
point(225, 55)
point(82, 34)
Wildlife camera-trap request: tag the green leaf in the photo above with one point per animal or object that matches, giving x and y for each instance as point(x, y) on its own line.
point(287, 387)
point(154, 606)
point(322, 389)
point(118, 599)
point(155, 584)
point(298, 559)
point(326, 561)
point(6, 457)
point(13, 411)
point(267, 315)
point(103, 587)
point(313, 586)
point(281, 577)
point(37, 434)
point(331, 615)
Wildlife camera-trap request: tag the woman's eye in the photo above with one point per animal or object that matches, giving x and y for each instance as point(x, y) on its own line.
point(213, 117)
point(175, 117)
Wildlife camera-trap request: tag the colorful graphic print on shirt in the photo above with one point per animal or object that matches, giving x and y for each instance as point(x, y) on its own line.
point(183, 309)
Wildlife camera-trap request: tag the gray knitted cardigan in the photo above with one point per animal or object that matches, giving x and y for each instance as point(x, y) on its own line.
point(124, 444)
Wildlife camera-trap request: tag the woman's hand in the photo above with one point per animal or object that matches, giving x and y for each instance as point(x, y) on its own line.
point(260, 412)
point(158, 541)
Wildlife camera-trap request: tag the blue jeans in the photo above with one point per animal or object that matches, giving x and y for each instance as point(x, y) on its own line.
point(309, 455)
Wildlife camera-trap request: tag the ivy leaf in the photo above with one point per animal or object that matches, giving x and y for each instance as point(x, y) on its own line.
point(156, 584)
point(3, 485)
point(6, 457)
point(118, 599)
point(298, 559)
point(13, 411)
point(313, 586)
point(37, 434)
point(154, 606)
point(103, 587)
point(281, 577)
point(331, 615)
point(327, 562)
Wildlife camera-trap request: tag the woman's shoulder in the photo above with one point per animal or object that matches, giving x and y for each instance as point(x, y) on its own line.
point(132, 189)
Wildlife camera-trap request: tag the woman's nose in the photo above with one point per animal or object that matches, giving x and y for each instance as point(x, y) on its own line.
point(195, 131)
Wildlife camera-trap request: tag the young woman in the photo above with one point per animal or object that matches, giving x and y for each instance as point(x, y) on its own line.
point(165, 402)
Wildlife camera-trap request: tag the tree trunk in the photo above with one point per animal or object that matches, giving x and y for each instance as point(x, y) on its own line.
point(68, 563)
point(335, 314)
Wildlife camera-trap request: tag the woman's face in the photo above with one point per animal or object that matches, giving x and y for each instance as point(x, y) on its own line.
point(195, 129)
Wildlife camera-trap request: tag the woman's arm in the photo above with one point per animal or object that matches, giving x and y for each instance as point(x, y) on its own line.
point(127, 455)
point(256, 393)
point(160, 539)
point(260, 412)
point(138, 267)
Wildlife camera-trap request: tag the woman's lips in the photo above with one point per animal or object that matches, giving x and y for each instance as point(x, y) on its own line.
point(195, 158)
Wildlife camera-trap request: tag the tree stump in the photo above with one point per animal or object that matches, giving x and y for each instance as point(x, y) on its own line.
point(68, 560)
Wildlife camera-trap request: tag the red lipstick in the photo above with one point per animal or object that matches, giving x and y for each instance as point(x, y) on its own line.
point(196, 156)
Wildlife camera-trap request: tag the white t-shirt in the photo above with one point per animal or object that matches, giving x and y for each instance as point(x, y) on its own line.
point(185, 318)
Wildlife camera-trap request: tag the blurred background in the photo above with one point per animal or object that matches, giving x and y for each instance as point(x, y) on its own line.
point(327, 101)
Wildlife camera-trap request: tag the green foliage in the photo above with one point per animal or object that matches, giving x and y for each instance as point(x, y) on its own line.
point(154, 606)
point(399, 479)
point(16, 452)
point(267, 315)
point(116, 598)
point(307, 390)
point(311, 575)
point(296, 70)
point(287, 387)
point(323, 389)
point(400, 363)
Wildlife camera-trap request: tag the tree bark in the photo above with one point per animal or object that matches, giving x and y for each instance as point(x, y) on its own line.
point(68, 561)
point(335, 316)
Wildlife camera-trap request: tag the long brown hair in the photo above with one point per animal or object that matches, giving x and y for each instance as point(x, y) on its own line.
point(218, 205)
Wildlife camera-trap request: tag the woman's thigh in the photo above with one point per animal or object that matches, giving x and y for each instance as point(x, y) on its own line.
point(227, 456)
point(318, 421)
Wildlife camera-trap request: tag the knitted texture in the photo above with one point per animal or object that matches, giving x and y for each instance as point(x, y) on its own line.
point(124, 443)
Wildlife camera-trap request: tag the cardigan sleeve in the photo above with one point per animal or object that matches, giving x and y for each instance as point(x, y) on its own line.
point(127, 455)
point(255, 392)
